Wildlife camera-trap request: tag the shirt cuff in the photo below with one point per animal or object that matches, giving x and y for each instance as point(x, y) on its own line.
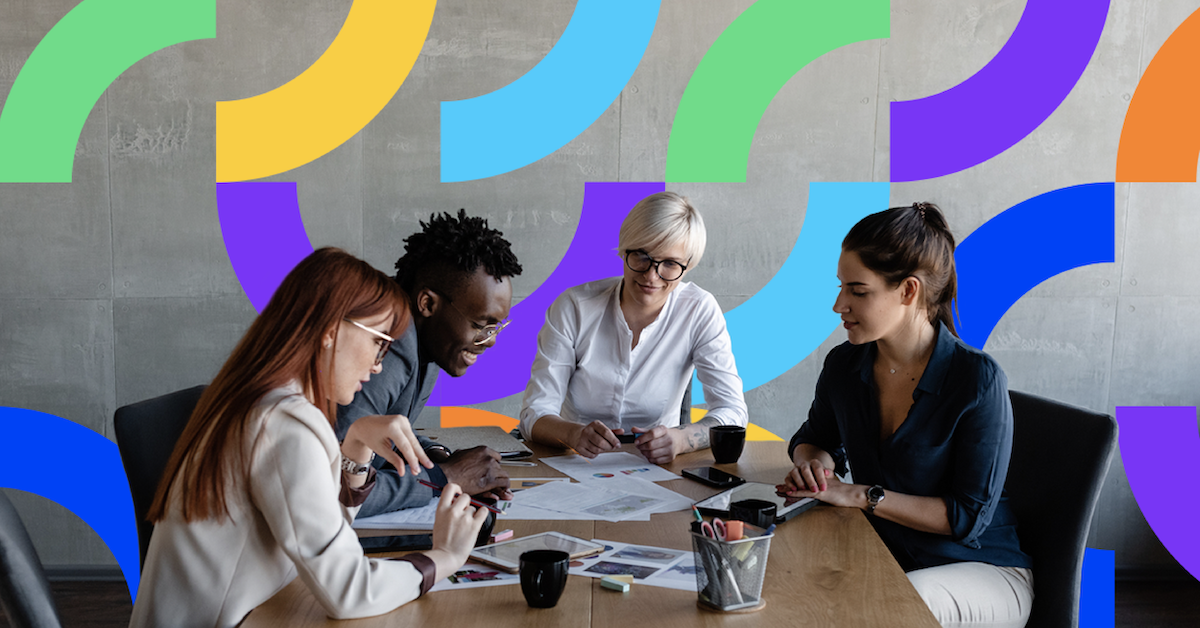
point(353, 497)
point(424, 564)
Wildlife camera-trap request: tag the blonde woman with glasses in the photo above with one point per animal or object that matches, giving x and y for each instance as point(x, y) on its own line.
point(615, 356)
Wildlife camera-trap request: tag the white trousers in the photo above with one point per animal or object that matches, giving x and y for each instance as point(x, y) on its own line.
point(976, 594)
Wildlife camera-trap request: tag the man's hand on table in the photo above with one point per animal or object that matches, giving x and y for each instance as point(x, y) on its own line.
point(477, 470)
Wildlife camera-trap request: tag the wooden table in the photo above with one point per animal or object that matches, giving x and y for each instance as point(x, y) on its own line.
point(827, 567)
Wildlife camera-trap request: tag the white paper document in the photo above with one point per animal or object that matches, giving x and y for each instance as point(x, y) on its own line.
point(607, 500)
point(655, 566)
point(609, 465)
point(407, 519)
point(473, 575)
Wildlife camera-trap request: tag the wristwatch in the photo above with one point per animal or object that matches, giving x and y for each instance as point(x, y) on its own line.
point(354, 468)
point(875, 495)
point(441, 449)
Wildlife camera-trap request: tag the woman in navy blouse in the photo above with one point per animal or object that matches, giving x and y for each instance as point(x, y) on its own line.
point(923, 421)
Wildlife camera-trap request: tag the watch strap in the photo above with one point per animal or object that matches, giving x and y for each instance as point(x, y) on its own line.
point(353, 467)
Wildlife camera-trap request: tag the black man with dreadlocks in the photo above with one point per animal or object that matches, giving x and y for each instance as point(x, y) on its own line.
point(456, 273)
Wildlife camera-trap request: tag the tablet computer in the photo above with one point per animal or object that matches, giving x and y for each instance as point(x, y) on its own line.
point(785, 507)
point(507, 554)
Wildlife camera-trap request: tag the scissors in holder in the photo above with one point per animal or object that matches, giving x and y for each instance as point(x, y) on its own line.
point(722, 531)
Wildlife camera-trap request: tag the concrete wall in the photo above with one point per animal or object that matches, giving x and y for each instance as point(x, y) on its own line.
point(117, 287)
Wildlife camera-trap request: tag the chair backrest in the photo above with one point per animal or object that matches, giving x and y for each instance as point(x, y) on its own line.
point(1060, 456)
point(685, 409)
point(24, 591)
point(146, 435)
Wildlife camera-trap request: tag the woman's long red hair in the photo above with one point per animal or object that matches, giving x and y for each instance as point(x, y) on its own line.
point(282, 345)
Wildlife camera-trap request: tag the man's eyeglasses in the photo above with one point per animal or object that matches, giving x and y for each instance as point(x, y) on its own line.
point(385, 341)
point(483, 333)
point(639, 262)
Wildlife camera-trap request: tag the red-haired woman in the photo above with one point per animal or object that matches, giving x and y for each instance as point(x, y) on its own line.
point(258, 490)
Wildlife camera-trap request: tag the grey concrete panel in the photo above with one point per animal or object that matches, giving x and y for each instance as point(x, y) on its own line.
point(58, 359)
point(167, 238)
point(59, 535)
point(1154, 353)
point(57, 234)
point(1161, 253)
point(1058, 347)
point(166, 344)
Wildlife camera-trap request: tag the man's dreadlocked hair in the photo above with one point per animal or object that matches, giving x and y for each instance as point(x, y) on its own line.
point(447, 250)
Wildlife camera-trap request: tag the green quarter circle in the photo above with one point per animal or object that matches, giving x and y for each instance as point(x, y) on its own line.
point(71, 67)
point(743, 70)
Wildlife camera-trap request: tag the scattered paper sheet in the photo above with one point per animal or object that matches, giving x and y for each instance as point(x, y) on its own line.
point(407, 519)
point(474, 575)
point(590, 500)
point(655, 566)
point(670, 500)
point(609, 465)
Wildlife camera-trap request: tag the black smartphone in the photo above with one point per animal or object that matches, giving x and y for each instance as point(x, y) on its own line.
point(713, 477)
point(626, 438)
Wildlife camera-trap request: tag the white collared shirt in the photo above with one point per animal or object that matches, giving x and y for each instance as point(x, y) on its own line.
point(585, 369)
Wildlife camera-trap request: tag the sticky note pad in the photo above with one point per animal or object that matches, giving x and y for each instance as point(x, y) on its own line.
point(628, 579)
point(616, 585)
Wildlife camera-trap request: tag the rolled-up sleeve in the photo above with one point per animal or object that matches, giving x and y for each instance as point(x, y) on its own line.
point(553, 366)
point(716, 369)
point(982, 447)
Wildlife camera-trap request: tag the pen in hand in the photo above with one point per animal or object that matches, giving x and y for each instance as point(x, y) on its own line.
point(474, 501)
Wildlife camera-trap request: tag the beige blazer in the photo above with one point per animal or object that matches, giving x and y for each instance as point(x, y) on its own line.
point(286, 521)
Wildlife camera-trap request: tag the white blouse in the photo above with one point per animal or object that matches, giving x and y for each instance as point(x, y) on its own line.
point(585, 369)
point(286, 521)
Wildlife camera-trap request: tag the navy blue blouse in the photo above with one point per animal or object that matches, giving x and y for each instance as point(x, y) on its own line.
point(954, 444)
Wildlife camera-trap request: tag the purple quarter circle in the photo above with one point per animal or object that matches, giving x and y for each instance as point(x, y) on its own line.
point(1160, 447)
point(1005, 101)
point(264, 234)
point(503, 370)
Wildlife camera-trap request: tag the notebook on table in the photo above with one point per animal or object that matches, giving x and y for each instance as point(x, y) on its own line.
point(456, 438)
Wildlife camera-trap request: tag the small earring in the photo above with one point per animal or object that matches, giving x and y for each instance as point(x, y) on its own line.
point(328, 345)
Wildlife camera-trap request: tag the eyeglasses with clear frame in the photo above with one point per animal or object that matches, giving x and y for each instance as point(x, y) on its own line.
point(385, 341)
point(640, 261)
point(483, 333)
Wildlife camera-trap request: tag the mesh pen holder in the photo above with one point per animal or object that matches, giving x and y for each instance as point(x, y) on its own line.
point(729, 574)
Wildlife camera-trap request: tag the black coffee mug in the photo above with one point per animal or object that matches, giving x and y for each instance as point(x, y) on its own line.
point(759, 512)
point(727, 442)
point(543, 576)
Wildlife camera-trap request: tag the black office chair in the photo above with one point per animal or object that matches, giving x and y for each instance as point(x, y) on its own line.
point(24, 591)
point(146, 435)
point(1059, 459)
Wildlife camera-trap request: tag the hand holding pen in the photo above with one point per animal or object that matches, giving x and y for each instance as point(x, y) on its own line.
point(474, 502)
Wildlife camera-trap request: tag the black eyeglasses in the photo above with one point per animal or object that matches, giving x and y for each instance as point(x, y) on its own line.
point(483, 333)
point(639, 262)
point(385, 341)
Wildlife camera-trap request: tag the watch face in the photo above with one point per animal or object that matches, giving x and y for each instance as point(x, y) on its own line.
point(875, 493)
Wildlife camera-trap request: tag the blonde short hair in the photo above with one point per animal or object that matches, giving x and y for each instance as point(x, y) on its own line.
point(661, 221)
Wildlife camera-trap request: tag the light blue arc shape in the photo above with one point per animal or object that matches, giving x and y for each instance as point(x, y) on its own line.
point(554, 102)
point(803, 291)
point(98, 492)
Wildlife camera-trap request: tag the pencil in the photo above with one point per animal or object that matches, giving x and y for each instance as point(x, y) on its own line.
point(473, 500)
